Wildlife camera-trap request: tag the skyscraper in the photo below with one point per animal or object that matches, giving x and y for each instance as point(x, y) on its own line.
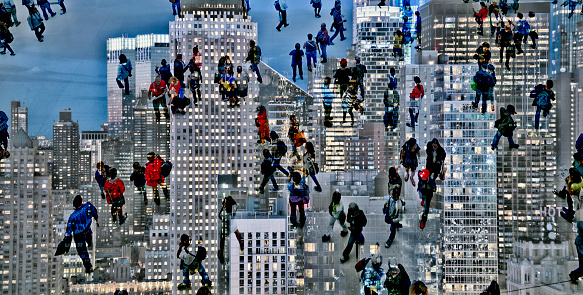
point(18, 117)
point(65, 152)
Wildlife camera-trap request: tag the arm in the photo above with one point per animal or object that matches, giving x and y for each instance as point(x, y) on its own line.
point(179, 251)
point(69, 231)
point(122, 187)
point(94, 213)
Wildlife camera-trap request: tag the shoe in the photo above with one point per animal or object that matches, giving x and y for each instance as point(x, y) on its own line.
point(41, 39)
point(260, 80)
point(399, 225)
point(568, 217)
point(318, 189)
point(325, 238)
point(3, 52)
point(344, 233)
point(492, 107)
point(63, 12)
point(285, 25)
point(573, 278)
point(12, 54)
point(309, 69)
point(342, 39)
point(331, 43)
point(422, 224)
point(474, 105)
point(493, 148)
point(409, 125)
point(278, 29)
point(122, 219)
point(302, 77)
point(183, 286)
point(324, 60)
point(294, 79)
point(388, 243)
point(343, 259)
point(260, 191)
point(412, 181)
point(53, 15)
point(17, 24)
point(407, 177)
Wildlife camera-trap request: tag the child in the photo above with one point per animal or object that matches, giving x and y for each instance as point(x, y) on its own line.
point(114, 187)
point(336, 210)
point(4, 136)
point(139, 178)
point(426, 189)
point(297, 54)
point(190, 263)
point(153, 176)
point(101, 176)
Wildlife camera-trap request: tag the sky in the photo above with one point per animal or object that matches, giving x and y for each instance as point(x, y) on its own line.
point(68, 69)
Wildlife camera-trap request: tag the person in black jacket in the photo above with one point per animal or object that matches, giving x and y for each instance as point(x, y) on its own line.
point(139, 179)
point(268, 171)
point(342, 77)
point(357, 221)
point(435, 158)
point(505, 126)
point(179, 69)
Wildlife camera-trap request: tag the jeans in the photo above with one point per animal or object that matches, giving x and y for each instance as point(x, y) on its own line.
point(517, 41)
point(62, 4)
point(6, 46)
point(354, 238)
point(83, 240)
point(394, 226)
point(497, 138)
point(300, 70)
point(283, 21)
point(12, 11)
point(414, 116)
point(157, 103)
point(38, 31)
point(255, 68)
point(339, 29)
point(45, 7)
point(313, 176)
point(323, 55)
point(142, 190)
point(537, 116)
point(127, 85)
point(277, 165)
point(266, 178)
point(299, 205)
point(361, 87)
point(484, 95)
point(327, 112)
point(311, 56)
point(195, 266)
point(331, 226)
point(427, 200)
point(175, 7)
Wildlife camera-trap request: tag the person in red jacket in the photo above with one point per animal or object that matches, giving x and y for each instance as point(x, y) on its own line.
point(153, 177)
point(114, 189)
point(480, 17)
point(263, 124)
point(418, 92)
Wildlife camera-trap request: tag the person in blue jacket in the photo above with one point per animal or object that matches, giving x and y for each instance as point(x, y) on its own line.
point(418, 30)
point(101, 176)
point(124, 71)
point(79, 227)
point(296, 62)
point(521, 31)
point(484, 81)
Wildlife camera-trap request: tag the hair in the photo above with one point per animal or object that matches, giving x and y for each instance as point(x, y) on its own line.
point(151, 154)
point(310, 149)
point(343, 62)
point(550, 84)
point(392, 71)
point(520, 15)
point(173, 80)
point(336, 196)
point(273, 135)
point(435, 141)
point(137, 165)
point(184, 238)
point(122, 58)
point(417, 13)
point(296, 177)
point(574, 173)
point(292, 117)
point(298, 45)
point(164, 62)
point(310, 36)
point(483, 4)
point(77, 201)
point(266, 153)
point(239, 69)
point(179, 55)
point(252, 43)
point(393, 172)
point(417, 80)
point(327, 80)
point(112, 173)
point(486, 45)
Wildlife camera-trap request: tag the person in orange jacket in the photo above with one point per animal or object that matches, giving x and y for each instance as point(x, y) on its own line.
point(114, 189)
point(263, 125)
point(153, 176)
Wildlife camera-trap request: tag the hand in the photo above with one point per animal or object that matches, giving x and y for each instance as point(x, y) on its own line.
point(97, 223)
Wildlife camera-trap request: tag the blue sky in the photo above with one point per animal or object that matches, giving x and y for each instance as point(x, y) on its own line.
point(68, 70)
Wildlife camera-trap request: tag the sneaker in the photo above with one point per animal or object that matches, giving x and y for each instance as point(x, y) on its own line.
point(515, 146)
point(17, 24)
point(388, 243)
point(343, 259)
point(278, 29)
point(474, 105)
point(285, 25)
point(342, 39)
point(492, 107)
point(294, 79)
point(122, 219)
point(344, 233)
point(422, 224)
point(331, 43)
point(3, 52)
point(206, 283)
point(318, 189)
point(260, 191)
point(422, 202)
point(325, 238)
point(183, 286)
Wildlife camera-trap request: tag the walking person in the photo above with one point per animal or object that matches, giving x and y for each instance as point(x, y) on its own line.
point(157, 93)
point(505, 126)
point(338, 25)
point(281, 7)
point(336, 211)
point(228, 217)
point(254, 56)
point(317, 4)
point(327, 97)
point(296, 63)
point(79, 228)
point(426, 189)
point(435, 158)
point(342, 77)
point(418, 92)
point(505, 43)
point(191, 263)
point(393, 208)
point(268, 171)
point(409, 158)
point(543, 102)
point(179, 69)
point(139, 179)
point(480, 17)
point(311, 51)
point(279, 151)
point(154, 177)
point(5, 16)
point(124, 72)
point(323, 40)
point(263, 125)
point(194, 81)
point(63, 8)
point(521, 31)
point(101, 176)
point(484, 82)
point(45, 6)
point(5, 39)
point(299, 195)
point(242, 81)
point(11, 10)
point(35, 21)
point(418, 27)
point(357, 221)
point(114, 189)
point(164, 71)
point(310, 164)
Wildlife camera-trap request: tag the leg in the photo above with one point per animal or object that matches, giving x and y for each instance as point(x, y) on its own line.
point(292, 215)
point(185, 273)
point(336, 33)
point(119, 84)
point(284, 17)
point(174, 8)
point(309, 60)
point(577, 273)
point(44, 9)
point(485, 101)
point(537, 118)
point(156, 104)
point(348, 249)
point(324, 54)
point(427, 203)
point(50, 10)
point(89, 237)
point(496, 139)
point(294, 67)
point(62, 4)
point(203, 275)
point(273, 182)
point(330, 226)
point(393, 233)
point(82, 251)
point(127, 85)
point(301, 71)
point(361, 87)
point(302, 213)
point(351, 114)
point(13, 13)
point(156, 194)
point(313, 176)
point(263, 183)
point(412, 117)
point(113, 213)
point(511, 142)
point(165, 190)
point(277, 165)
point(341, 28)
point(477, 100)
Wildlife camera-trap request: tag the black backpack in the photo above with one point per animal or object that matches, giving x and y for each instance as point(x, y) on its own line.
point(165, 168)
point(200, 254)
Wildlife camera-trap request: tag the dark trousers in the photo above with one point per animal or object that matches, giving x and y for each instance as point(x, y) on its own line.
point(194, 267)
point(83, 240)
point(313, 176)
point(126, 85)
point(351, 115)
point(266, 178)
point(518, 41)
point(339, 29)
point(354, 238)
point(283, 19)
point(427, 200)
point(579, 271)
point(62, 4)
point(38, 31)
point(277, 165)
point(294, 206)
point(394, 226)
point(157, 103)
point(537, 116)
point(414, 116)
point(45, 7)
point(300, 70)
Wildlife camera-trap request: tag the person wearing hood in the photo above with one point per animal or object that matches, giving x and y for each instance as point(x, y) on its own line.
point(357, 221)
point(114, 189)
point(336, 211)
point(435, 158)
point(397, 281)
point(505, 126)
point(342, 77)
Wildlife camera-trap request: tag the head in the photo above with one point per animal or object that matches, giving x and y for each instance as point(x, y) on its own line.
point(310, 36)
point(418, 288)
point(399, 33)
point(112, 173)
point(530, 14)
point(137, 166)
point(357, 59)
point(327, 81)
point(393, 172)
point(336, 197)
point(393, 271)
point(520, 15)
point(151, 156)
point(579, 158)
point(273, 135)
point(310, 148)
point(227, 58)
point(122, 58)
point(392, 71)
point(297, 46)
point(424, 174)
point(266, 153)
point(195, 49)
point(296, 177)
point(323, 26)
point(184, 240)
point(203, 291)
point(417, 80)
point(574, 174)
point(510, 108)
point(377, 261)
point(435, 143)
point(292, 118)
point(491, 68)
point(77, 201)
point(173, 80)
point(179, 56)
point(483, 4)
point(100, 166)
point(550, 84)
point(353, 209)
point(486, 46)
point(343, 63)
point(507, 28)
point(239, 69)
point(252, 43)
point(417, 13)
point(164, 62)
point(405, 19)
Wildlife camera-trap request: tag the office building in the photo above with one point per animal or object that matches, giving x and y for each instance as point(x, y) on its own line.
point(368, 151)
point(65, 170)
point(18, 117)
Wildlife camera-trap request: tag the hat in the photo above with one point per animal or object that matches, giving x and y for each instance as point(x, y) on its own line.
point(343, 62)
point(424, 174)
point(510, 108)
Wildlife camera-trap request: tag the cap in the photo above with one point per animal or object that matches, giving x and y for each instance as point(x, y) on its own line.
point(510, 108)
point(424, 174)
point(343, 62)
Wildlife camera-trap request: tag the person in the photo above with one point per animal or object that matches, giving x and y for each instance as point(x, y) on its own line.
point(229, 89)
point(578, 272)
point(292, 133)
point(574, 184)
point(281, 7)
point(521, 30)
point(505, 126)
point(357, 221)
point(409, 154)
point(190, 263)
point(195, 62)
point(494, 9)
point(311, 51)
point(397, 281)
point(418, 288)
point(225, 65)
point(382, 3)
point(157, 93)
point(492, 72)
point(194, 81)
point(164, 71)
point(310, 164)
point(418, 29)
point(139, 179)
point(338, 25)
point(79, 228)
point(337, 9)
point(11, 9)
point(483, 55)
point(480, 17)
point(45, 5)
point(352, 92)
point(391, 102)
point(279, 151)
point(397, 45)
point(268, 171)
point(323, 40)
point(372, 276)
point(336, 211)
point(178, 101)
point(393, 210)
point(342, 77)
point(179, 69)
point(407, 11)
point(4, 135)
point(533, 34)
point(114, 189)
point(263, 124)
point(28, 3)
point(348, 101)
point(418, 92)
point(154, 177)
point(426, 189)
point(406, 29)
point(358, 73)
point(227, 207)
point(296, 62)
point(317, 4)
point(543, 102)
point(5, 39)
point(5, 16)
point(435, 158)
point(505, 43)
point(572, 5)
point(242, 82)
point(327, 97)
point(101, 176)
point(124, 71)
point(299, 194)
point(484, 81)
point(254, 56)
point(176, 7)
point(35, 21)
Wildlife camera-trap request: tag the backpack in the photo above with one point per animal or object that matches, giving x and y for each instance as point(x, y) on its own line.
point(266, 167)
point(277, 6)
point(322, 38)
point(360, 265)
point(526, 28)
point(9, 38)
point(200, 254)
point(311, 46)
point(534, 93)
point(481, 79)
point(165, 169)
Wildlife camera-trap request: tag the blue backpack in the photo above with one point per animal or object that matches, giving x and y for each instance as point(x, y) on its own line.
point(276, 4)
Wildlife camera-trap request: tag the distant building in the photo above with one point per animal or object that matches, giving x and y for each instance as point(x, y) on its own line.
point(368, 151)
point(65, 152)
point(18, 117)
point(158, 253)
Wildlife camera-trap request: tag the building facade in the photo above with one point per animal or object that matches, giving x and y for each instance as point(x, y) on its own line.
point(66, 164)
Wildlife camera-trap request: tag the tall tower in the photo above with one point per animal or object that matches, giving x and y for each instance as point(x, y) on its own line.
point(65, 152)
point(18, 117)
point(211, 139)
